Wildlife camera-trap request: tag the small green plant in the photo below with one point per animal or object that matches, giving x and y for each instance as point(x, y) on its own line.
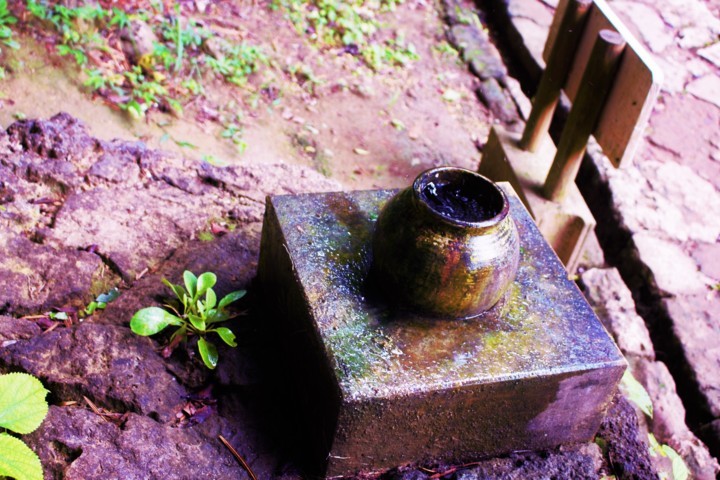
point(636, 393)
point(6, 34)
point(165, 77)
point(196, 312)
point(22, 410)
point(233, 131)
point(101, 302)
point(351, 25)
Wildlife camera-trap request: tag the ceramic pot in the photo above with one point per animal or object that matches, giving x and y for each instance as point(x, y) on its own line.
point(446, 246)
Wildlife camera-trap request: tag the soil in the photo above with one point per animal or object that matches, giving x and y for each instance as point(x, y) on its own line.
point(85, 208)
point(364, 128)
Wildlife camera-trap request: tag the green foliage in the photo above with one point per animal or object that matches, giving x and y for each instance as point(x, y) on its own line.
point(6, 34)
point(22, 410)
point(680, 469)
point(636, 393)
point(349, 24)
point(233, 131)
point(6, 19)
point(196, 312)
point(101, 301)
point(159, 80)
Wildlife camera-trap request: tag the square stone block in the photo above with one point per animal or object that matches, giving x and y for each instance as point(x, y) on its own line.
point(565, 225)
point(376, 388)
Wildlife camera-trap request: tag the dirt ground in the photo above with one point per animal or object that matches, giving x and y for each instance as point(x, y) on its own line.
point(396, 119)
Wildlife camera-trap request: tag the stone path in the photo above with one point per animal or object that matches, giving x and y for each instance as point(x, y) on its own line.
point(661, 217)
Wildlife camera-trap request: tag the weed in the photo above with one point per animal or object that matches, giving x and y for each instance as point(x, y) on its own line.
point(161, 79)
point(351, 25)
point(201, 311)
point(100, 302)
point(22, 410)
point(636, 393)
point(6, 34)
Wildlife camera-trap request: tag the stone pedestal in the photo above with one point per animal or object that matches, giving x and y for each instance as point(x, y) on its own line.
point(565, 225)
point(378, 388)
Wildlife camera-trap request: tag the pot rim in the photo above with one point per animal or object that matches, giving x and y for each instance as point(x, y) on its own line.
point(422, 180)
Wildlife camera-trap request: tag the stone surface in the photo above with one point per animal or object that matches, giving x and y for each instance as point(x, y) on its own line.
point(582, 462)
point(672, 191)
point(376, 368)
point(113, 367)
point(694, 325)
point(668, 421)
point(630, 456)
point(477, 50)
point(666, 200)
point(707, 256)
point(706, 88)
point(648, 22)
point(498, 100)
point(141, 449)
point(711, 54)
point(671, 270)
point(71, 220)
point(14, 329)
point(38, 277)
point(613, 303)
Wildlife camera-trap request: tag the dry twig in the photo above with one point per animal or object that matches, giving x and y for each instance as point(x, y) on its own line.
point(237, 457)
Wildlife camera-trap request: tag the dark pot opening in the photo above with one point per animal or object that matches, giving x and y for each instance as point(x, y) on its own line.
point(461, 196)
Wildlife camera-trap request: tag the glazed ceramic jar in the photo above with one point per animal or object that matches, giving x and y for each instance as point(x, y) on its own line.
point(446, 246)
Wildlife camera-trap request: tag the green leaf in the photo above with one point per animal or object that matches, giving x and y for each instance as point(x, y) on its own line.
point(210, 299)
point(215, 316)
point(58, 315)
point(108, 297)
point(133, 107)
point(679, 467)
point(636, 393)
point(17, 460)
point(197, 322)
point(22, 402)
point(227, 336)
point(90, 309)
point(184, 144)
point(231, 297)
point(205, 281)
point(176, 289)
point(151, 320)
point(208, 352)
point(190, 282)
point(655, 448)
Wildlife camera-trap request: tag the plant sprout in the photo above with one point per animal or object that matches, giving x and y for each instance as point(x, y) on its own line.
point(197, 312)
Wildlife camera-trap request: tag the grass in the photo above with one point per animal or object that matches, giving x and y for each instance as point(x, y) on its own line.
point(151, 58)
point(6, 33)
point(351, 25)
point(162, 77)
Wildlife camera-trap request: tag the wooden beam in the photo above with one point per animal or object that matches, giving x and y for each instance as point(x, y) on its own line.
point(556, 73)
point(586, 110)
point(630, 102)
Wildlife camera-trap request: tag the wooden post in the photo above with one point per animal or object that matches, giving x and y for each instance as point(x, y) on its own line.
point(585, 112)
point(555, 74)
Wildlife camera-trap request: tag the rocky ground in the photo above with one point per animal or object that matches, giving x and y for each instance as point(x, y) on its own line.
point(658, 218)
point(81, 215)
point(120, 214)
